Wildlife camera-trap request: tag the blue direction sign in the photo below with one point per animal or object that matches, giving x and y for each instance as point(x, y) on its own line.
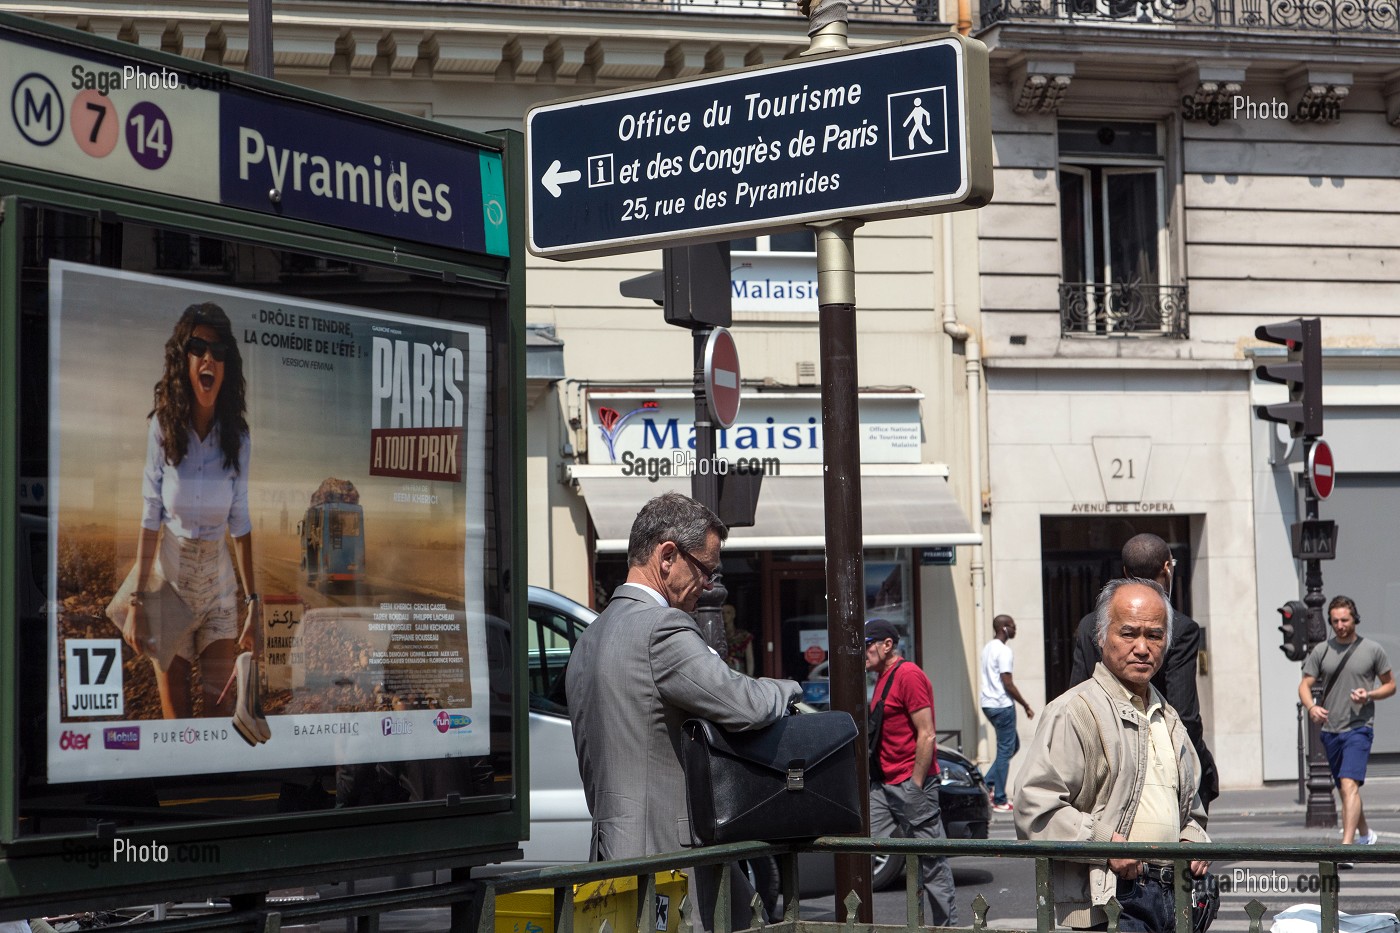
point(884, 132)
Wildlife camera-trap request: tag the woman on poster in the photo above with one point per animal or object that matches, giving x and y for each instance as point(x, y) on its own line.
point(195, 492)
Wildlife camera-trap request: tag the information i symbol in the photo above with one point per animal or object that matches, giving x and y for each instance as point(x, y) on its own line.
point(600, 170)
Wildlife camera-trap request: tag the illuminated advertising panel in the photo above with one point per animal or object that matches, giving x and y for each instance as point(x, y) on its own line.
point(267, 529)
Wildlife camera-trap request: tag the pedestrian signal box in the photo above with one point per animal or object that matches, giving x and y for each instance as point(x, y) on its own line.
point(1314, 539)
point(261, 376)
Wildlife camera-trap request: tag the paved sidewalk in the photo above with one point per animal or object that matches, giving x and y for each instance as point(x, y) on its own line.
point(1381, 795)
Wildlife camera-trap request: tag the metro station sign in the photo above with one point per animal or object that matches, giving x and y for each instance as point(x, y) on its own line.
point(195, 131)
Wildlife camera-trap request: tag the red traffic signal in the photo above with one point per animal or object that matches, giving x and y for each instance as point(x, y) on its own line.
point(1294, 629)
point(1302, 373)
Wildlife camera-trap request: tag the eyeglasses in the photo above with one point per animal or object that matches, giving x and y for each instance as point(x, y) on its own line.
point(198, 346)
point(711, 576)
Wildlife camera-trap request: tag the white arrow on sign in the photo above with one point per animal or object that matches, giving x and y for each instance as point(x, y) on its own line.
point(553, 178)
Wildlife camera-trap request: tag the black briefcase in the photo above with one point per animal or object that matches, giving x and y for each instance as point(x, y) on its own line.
point(795, 779)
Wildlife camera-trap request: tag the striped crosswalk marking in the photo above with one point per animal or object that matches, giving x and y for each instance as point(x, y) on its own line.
point(1367, 888)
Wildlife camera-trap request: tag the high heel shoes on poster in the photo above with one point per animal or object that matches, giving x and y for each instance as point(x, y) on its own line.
point(248, 718)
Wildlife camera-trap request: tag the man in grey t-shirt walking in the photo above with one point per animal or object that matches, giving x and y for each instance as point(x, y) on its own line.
point(1349, 667)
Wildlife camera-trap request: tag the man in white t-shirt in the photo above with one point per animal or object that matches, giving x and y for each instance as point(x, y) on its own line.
point(998, 691)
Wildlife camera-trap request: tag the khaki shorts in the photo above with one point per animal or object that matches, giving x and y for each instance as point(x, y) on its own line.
point(202, 573)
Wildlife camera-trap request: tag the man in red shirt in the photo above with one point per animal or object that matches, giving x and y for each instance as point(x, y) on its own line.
point(904, 762)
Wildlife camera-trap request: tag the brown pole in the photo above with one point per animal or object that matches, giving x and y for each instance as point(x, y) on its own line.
point(260, 37)
point(845, 566)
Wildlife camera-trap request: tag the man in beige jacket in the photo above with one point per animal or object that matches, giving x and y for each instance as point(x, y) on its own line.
point(1112, 762)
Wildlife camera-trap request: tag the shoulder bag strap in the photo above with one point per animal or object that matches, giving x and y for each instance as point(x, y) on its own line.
point(877, 712)
point(880, 704)
point(877, 721)
point(1336, 675)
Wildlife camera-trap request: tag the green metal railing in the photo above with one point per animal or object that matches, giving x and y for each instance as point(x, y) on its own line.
point(1324, 857)
point(473, 903)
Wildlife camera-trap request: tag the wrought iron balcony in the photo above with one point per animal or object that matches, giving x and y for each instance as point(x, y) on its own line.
point(887, 11)
point(1123, 310)
point(1329, 16)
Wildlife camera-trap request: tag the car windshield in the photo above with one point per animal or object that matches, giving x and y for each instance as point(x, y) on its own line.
point(552, 633)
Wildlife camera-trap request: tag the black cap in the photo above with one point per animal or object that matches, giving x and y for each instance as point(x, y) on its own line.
point(880, 629)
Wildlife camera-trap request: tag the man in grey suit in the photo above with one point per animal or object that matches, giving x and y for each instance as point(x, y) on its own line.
point(638, 672)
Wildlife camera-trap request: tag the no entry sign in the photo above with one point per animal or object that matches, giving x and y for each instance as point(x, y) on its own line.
point(1321, 469)
point(722, 377)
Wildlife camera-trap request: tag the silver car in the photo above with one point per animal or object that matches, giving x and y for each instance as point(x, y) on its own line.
point(559, 822)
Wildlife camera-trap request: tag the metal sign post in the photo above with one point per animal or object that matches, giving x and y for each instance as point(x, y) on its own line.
point(1321, 806)
point(696, 296)
point(841, 498)
point(704, 488)
point(260, 37)
point(841, 492)
point(1301, 372)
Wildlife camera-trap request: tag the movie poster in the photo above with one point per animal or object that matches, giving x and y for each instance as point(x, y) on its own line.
point(351, 492)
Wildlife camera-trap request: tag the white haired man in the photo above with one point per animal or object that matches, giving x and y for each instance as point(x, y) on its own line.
point(1112, 762)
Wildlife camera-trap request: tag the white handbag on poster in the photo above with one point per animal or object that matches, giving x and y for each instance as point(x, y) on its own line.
point(168, 618)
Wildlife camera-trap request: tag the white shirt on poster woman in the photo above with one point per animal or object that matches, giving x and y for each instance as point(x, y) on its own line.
point(200, 498)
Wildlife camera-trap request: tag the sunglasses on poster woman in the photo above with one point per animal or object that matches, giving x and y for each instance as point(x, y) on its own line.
point(198, 346)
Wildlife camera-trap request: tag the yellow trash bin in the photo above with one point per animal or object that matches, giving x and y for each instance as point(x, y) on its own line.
point(614, 900)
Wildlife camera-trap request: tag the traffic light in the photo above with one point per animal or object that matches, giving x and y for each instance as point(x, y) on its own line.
point(696, 285)
point(1294, 629)
point(1302, 373)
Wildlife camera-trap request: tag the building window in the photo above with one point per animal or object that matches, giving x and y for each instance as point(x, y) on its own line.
point(1113, 232)
point(775, 273)
point(796, 241)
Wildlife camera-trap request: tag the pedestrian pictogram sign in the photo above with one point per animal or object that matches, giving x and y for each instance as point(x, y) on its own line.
point(1314, 539)
point(722, 377)
point(885, 132)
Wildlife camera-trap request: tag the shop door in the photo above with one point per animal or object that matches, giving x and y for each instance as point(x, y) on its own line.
point(1078, 556)
point(795, 622)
